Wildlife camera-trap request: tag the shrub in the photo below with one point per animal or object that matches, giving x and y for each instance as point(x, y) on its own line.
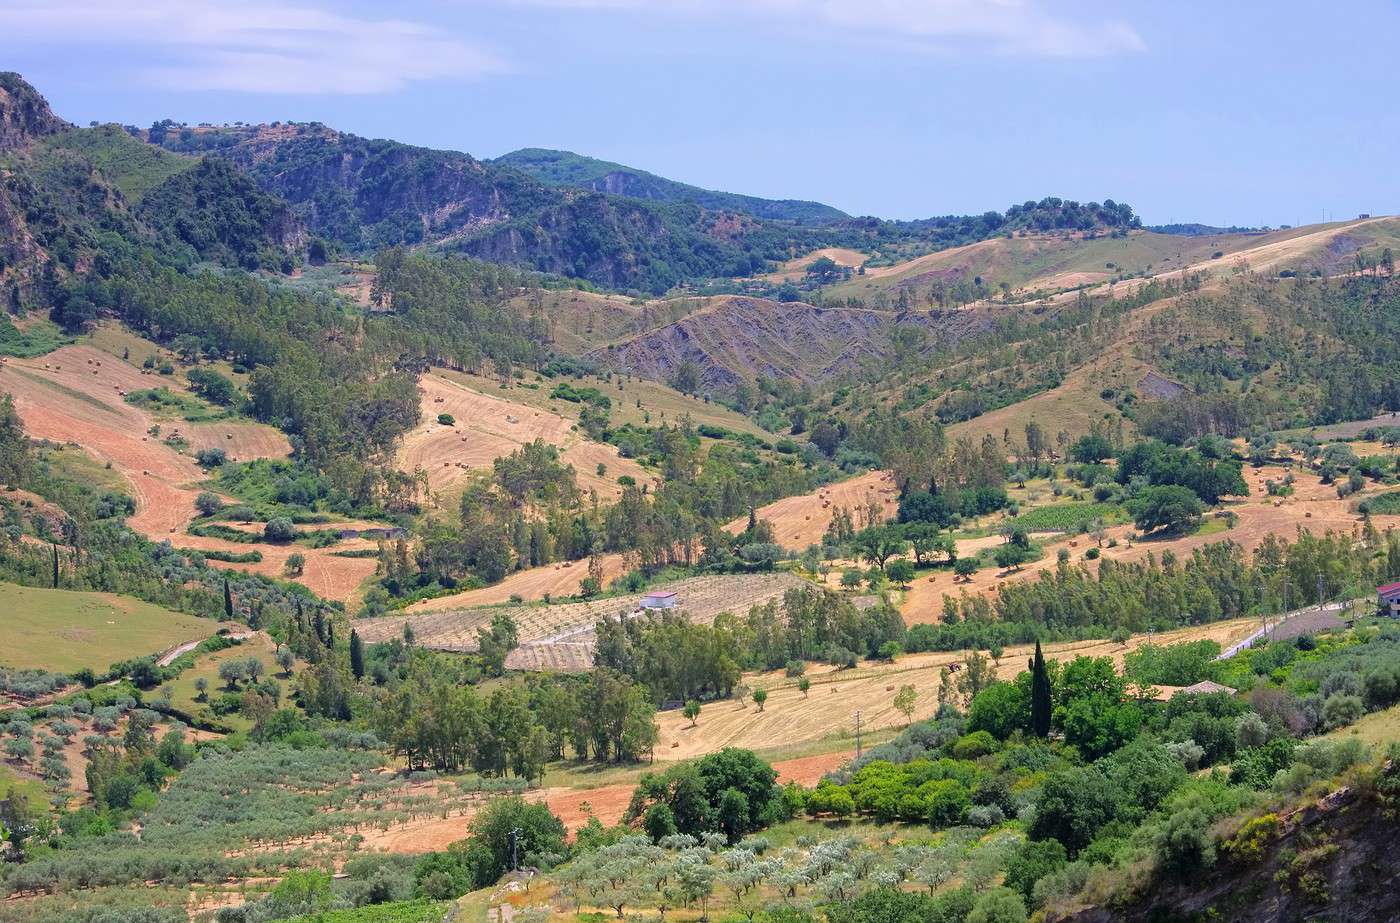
point(279, 529)
point(446, 419)
point(211, 458)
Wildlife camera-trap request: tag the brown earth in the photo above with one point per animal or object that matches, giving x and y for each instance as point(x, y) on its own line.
point(571, 805)
point(75, 395)
point(553, 580)
point(801, 521)
point(487, 428)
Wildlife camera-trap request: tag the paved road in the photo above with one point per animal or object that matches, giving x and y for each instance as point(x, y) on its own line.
point(1235, 648)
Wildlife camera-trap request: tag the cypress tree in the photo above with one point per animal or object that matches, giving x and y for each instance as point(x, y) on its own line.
point(55, 566)
point(357, 654)
point(228, 601)
point(1040, 695)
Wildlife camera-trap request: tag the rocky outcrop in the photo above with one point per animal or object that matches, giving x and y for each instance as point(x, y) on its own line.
point(1332, 860)
point(24, 114)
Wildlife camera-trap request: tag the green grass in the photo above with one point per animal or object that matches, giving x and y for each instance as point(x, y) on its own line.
point(1387, 504)
point(183, 692)
point(131, 165)
point(1068, 517)
point(165, 404)
point(65, 630)
point(36, 339)
point(419, 911)
point(32, 789)
point(72, 463)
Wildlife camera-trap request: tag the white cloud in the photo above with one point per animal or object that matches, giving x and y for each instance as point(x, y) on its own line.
point(254, 47)
point(1012, 26)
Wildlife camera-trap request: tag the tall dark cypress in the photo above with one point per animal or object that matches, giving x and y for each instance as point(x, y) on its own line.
point(1040, 695)
point(357, 654)
point(55, 566)
point(228, 601)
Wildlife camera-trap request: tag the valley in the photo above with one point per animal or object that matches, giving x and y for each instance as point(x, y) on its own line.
point(392, 535)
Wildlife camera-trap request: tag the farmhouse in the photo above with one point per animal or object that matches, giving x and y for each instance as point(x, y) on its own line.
point(660, 599)
point(1388, 599)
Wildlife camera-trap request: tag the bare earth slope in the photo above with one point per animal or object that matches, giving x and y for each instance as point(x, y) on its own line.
point(739, 338)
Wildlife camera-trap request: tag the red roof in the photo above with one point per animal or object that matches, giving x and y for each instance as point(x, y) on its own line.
point(1388, 588)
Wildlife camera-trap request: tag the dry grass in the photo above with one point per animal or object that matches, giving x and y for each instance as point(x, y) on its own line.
point(560, 636)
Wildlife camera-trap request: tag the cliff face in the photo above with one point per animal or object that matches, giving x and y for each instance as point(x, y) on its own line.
point(1335, 860)
point(369, 194)
point(24, 114)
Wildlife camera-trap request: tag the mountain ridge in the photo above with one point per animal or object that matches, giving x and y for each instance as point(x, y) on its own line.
point(566, 168)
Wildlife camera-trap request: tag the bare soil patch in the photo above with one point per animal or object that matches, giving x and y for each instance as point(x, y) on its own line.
point(486, 428)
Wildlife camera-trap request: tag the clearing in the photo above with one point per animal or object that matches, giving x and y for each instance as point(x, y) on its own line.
point(486, 428)
point(803, 520)
point(66, 630)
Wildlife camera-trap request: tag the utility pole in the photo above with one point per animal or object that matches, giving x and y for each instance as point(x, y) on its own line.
point(857, 735)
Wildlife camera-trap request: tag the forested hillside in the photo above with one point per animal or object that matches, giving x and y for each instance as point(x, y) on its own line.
point(565, 168)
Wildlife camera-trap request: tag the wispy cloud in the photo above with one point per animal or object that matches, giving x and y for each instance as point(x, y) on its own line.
point(1013, 26)
point(254, 47)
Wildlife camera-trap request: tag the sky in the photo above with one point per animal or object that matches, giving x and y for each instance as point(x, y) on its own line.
point(1241, 113)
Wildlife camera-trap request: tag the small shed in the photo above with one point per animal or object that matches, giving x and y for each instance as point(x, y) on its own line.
point(660, 599)
point(1388, 599)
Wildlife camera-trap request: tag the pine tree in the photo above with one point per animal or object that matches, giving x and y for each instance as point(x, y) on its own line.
point(228, 601)
point(357, 654)
point(1040, 695)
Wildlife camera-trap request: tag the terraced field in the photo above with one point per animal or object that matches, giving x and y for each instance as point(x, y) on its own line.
point(560, 637)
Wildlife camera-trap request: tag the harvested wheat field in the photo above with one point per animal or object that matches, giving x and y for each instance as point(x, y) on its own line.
point(560, 636)
point(827, 711)
point(801, 521)
point(573, 806)
point(531, 585)
point(76, 395)
point(486, 428)
point(325, 573)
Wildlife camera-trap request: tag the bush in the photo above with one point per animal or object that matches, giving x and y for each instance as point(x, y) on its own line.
point(446, 419)
point(279, 529)
point(211, 458)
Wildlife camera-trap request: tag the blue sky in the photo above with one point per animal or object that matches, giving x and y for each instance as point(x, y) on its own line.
point(1226, 113)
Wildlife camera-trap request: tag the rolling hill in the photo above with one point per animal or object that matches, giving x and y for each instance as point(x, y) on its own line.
point(565, 168)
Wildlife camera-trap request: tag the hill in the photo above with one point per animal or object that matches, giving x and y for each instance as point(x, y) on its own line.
point(565, 168)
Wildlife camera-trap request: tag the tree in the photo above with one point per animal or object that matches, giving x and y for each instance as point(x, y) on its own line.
point(999, 905)
point(851, 578)
point(877, 544)
point(1041, 704)
point(965, 567)
point(1010, 556)
point(803, 685)
point(901, 572)
point(285, 658)
point(1074, 804)
point(228, 601)
point(296, 564)
point(279, 529)
point(760, 697)
point(905, 700)
point(1091, 449)
point(691, 711)
point(1173, 509)
point(208, 503)
point(357, 655)
point(540, 833)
